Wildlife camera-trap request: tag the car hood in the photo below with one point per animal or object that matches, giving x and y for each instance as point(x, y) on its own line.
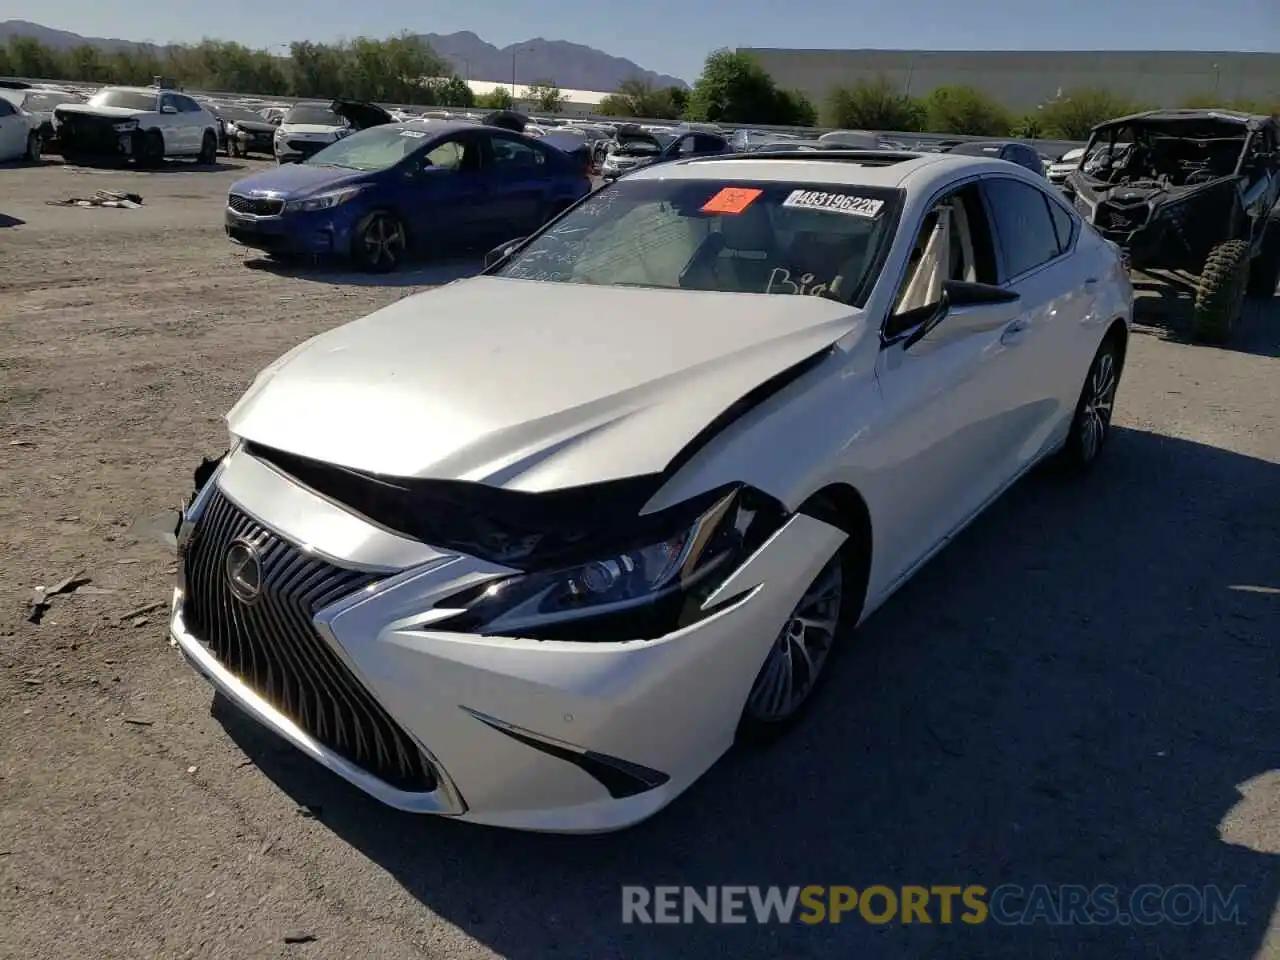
point(296, 180)
point(86, 109)
point(530, 386)
point(253, 126)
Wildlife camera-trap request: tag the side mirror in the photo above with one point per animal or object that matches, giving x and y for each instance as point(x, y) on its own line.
point(168, 108)
point(276, 121)
point(958, 296)
point(501, 252)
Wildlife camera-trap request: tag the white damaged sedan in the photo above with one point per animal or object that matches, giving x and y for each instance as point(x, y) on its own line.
point(533, 549)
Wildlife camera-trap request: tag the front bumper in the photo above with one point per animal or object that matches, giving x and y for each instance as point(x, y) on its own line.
point(320, 233)
point(535, 735)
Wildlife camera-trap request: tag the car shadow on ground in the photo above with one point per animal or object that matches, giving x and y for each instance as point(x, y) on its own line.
point(1078, 691)
point(168, 166)
point(1163, 306)
point(8, 221)
point(427, 273)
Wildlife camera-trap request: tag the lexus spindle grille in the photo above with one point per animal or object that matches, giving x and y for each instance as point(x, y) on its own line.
point(257, 206)
point(272, 645)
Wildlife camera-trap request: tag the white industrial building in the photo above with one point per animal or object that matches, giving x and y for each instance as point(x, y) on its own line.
point(577, 103)
point(1023, 80)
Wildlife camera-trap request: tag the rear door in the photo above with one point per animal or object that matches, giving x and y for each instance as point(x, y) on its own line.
point(519, 175)
point(1047, 343)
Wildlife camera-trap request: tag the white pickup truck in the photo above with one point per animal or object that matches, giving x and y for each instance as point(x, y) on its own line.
point(148, 124)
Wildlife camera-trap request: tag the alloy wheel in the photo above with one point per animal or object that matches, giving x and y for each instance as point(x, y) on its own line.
point(383, 242)
point(797, 657)
point(1100, 395)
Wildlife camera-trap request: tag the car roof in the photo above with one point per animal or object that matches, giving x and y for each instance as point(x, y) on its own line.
point(153, 91)
point(894, 169)
point(1230, 116)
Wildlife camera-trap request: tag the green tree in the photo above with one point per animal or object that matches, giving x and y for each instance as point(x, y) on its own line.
point(6, 68)
point(874, 105)
point(639, 98)
point(965, 110)
point(455, 92)
point(1073, 115)
point(29, 57)
point(498, 99)
point(546, 97)
point(1204, 101)
point(1029, 127)
point(734, 88)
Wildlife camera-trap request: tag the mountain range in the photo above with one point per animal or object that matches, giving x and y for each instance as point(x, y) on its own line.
point(571, 66)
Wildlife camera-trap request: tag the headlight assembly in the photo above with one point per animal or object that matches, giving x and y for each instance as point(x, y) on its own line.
point(125, 126)
point(324, 201)
point(639, 592)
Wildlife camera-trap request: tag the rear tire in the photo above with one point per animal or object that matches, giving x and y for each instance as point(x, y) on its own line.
point(1091, 425)
point(35, 144)
point(1220, 292)
point(1264, 272)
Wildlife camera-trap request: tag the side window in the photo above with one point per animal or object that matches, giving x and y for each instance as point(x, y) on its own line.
point(187, 105)
point(1064, 225)
point(688, 146)
point(1023, 224)
point(447, 156)
point(512, 154)
point(167, 101)
point(954, 242)
point(6, 108)
point(703, 144)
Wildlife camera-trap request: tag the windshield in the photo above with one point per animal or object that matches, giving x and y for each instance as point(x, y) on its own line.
point(125, 99)
point(779, 238)
point(317, 113)
point(374, 149)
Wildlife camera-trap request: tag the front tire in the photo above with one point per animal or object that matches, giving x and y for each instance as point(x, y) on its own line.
point(380, 243)
point(208, 155)
point(1091, 425)
point(152, 152)
point(35, 145)
point(1220, 292)
point(793, 669)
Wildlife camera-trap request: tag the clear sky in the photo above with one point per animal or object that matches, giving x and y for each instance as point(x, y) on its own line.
point(673, 36)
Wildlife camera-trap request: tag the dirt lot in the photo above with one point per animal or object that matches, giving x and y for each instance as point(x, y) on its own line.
point(1082, 690)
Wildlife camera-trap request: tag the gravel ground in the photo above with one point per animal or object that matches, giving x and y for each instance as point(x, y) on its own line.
point(1081, 690)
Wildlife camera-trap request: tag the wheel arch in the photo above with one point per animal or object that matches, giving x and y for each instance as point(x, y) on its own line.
point(842, 506)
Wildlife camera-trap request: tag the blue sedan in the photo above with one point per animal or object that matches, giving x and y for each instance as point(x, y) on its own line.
point(429, 185)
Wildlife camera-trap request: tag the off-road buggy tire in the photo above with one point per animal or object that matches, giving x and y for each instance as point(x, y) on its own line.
point(1264, 272)
point(1220, 292)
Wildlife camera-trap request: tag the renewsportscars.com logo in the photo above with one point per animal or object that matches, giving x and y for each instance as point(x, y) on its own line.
point(1006, 905)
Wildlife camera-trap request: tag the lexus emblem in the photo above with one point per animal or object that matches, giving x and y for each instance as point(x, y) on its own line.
point(244, 571)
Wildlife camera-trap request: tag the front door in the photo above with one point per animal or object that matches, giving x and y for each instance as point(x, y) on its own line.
point(13, 132)
point(946, 433)
point(447, 196)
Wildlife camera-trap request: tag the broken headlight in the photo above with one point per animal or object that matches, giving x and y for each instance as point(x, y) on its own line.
point(639, 592)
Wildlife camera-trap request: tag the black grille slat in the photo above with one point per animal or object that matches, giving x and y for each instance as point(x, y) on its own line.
point(272, 644)
point(258, 206)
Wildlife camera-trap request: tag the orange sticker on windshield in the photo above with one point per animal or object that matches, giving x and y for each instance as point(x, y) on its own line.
point(731, 200)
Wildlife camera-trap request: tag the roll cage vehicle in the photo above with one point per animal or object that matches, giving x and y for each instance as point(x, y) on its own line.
point(1191, 190)
point(549, 539)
